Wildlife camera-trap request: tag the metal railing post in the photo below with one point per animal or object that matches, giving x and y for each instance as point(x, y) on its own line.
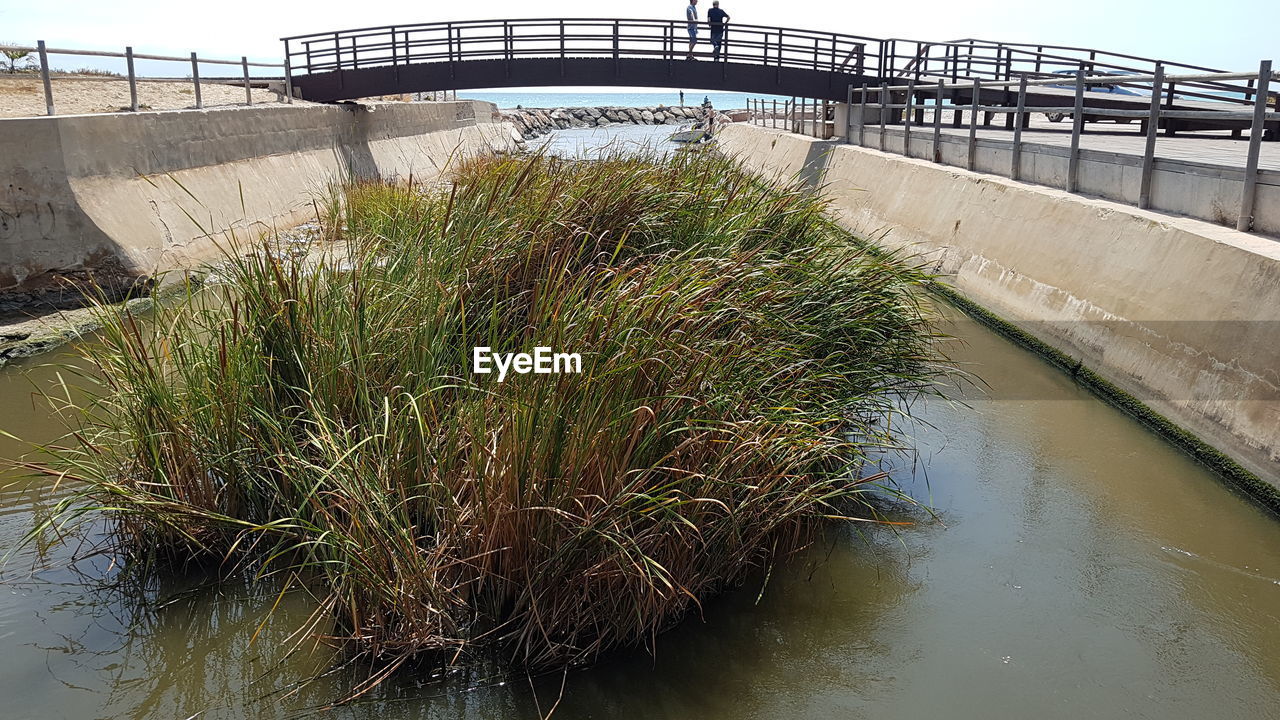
point(248, 91)
point(973, 125)
point(195, 79)
point(1153, 128)
point(937, 126)
point(1077, 126)
point(44, 77)
point(1015, 166)
point(133, 79)
point(1248, 196)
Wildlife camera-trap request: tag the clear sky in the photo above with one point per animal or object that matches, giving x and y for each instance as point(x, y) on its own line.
point(1231, 34)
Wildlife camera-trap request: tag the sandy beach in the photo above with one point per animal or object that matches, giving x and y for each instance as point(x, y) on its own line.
point(23, 95)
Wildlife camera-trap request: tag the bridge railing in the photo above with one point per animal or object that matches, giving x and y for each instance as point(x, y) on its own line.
point(970, 59)
point(902, 109)
point(511, 40)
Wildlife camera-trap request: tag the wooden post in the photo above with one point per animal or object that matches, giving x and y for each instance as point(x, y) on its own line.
point(937, 126)
point(773, 116)
point(884, 111)
point(973, 125)
point(506, 44)
point(848, 113)
point(288, 67)
point(1015, 169)
point(337, 57)
point(906, 118)
point(862, 118)
point(133, 79)
point(44, 77)
point(195, 79)
point(1077, 125)
point(1245, 222)
point(1153, 127)
point(248, 91)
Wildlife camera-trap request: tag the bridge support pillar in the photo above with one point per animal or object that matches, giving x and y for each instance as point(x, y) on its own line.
point(842, 119)
point(855, 116)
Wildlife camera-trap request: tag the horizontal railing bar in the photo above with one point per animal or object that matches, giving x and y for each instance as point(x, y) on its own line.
point(1070, 109)
point(591, 22)
point(1088, 80)
point(965, 43)
point(238, 81)
point(136, 56)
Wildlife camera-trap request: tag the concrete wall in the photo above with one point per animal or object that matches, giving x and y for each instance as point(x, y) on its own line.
point(1181, 313)
point(1198, 190)
point(125, 196)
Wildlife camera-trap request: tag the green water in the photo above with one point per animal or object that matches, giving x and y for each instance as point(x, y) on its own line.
point(1078, 567)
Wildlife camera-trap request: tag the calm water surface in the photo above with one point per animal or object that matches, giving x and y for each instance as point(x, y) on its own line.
point(1077, 567)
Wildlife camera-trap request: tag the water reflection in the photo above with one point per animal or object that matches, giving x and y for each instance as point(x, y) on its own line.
point(1078, 567)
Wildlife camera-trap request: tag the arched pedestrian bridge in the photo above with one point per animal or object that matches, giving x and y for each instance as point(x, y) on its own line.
point(757, 59)
point(365, 62)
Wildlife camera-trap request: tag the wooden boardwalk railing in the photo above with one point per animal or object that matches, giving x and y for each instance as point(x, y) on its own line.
point(453, 42)
point(46, 74)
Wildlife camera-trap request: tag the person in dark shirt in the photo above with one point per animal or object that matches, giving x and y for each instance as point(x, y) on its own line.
point(716, 18)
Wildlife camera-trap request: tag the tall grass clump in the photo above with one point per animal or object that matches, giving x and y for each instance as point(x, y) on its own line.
point(741, 358)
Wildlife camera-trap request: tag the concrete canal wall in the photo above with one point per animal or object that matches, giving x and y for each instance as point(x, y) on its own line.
point(127, 195)
point(1181, 313)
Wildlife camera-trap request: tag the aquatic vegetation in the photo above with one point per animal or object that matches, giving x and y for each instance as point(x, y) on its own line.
point(741, 357)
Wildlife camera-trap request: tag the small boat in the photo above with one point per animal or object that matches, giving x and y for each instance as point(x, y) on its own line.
point(690, 135)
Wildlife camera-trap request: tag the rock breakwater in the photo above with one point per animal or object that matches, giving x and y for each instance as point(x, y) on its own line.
point(532, 122)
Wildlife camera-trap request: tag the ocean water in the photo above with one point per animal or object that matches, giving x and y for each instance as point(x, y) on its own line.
point(507, 100)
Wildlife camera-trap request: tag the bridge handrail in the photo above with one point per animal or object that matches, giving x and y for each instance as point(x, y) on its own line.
point(577, 37)
point(1001, 67)
point(1070, 48)
point(523, 21)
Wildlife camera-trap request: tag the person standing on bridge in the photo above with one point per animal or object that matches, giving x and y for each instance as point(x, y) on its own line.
point(716, 18)
point(691, 14)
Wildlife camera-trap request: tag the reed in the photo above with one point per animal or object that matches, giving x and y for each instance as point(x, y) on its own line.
point(742, 358)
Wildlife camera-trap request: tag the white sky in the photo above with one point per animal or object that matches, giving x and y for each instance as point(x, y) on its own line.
point(1231, 34)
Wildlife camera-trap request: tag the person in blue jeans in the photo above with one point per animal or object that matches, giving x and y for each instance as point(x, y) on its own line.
point(691, 14)
point(716, 18)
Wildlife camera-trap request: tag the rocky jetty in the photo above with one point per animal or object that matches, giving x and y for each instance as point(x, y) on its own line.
point(532, 122)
